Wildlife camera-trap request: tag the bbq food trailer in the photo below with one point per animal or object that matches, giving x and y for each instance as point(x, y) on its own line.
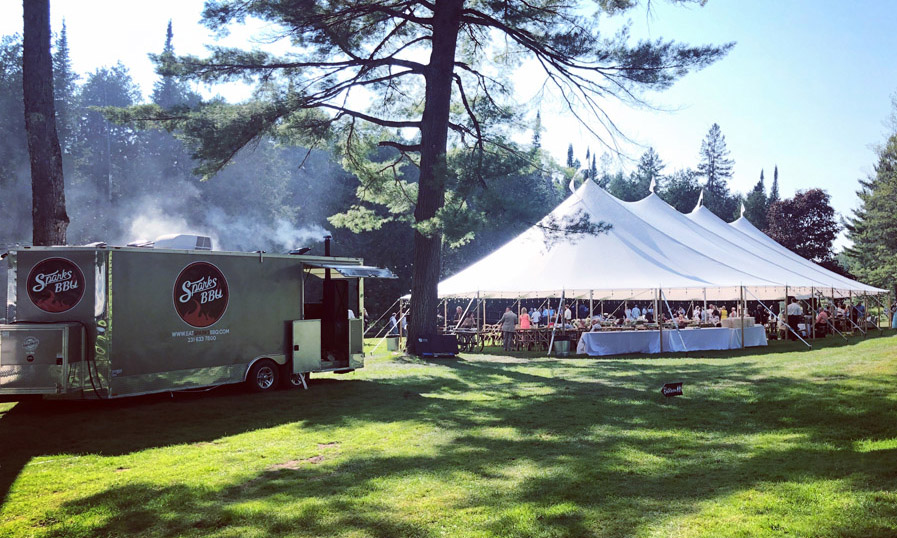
point(108, 322)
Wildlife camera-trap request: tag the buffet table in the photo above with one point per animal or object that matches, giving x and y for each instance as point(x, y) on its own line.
point(623, 342)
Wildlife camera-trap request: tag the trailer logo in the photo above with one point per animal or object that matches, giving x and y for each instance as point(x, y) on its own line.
point(200, 294)
point(55, 285)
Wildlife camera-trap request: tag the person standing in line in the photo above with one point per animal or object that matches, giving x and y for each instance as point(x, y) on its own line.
point(636, 313)
point(508, 327)
point(393, 325)
point(568, 314)
point(524, 319)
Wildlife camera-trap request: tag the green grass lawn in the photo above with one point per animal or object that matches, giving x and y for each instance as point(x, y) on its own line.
point(774, 442)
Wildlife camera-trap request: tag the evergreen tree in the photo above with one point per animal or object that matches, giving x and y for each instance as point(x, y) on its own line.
point(756, 205)
point(570, 161)
point(64, 89)
point(106, 151)
point(604, 170)
point(873, 226)
point(15, 185)
point(774, 190)
point(537, 132)
point(650, 168)
point(716, 167)
point(168, 91)
point(681, 190)
point(593, 170)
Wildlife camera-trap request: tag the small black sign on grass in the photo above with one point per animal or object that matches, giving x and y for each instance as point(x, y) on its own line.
point(671, 389)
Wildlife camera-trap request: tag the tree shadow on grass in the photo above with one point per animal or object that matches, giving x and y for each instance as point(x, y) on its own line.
point(612, 454)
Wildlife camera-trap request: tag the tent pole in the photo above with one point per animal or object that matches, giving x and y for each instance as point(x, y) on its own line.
point(704, 312)
point(660, 320)
point(786, 312)
point(865, 309)
point(591, 305)
point(827, 320)
point(849, 312)
point(554, 327)
point(778, 319)
point(812, 298)
point(445, 315)
point(742, 316)
point(884, 309)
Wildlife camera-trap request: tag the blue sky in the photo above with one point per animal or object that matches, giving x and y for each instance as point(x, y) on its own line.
point(807, 86)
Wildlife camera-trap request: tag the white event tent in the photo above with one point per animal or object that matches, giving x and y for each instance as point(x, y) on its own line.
point(651, 246)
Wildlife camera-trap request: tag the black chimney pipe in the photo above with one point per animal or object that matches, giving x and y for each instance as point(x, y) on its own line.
point(327, 239)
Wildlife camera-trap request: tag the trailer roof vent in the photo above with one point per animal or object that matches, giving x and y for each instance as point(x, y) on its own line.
point(183, 242)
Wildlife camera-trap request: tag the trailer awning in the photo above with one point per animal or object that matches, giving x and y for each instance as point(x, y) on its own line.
point(353, 271)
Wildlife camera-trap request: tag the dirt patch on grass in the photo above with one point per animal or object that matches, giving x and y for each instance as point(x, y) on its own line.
point(322, 446)
point(295, 464)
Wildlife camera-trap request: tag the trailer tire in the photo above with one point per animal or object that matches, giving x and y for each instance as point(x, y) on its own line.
point(263, 376)
point(289, 380)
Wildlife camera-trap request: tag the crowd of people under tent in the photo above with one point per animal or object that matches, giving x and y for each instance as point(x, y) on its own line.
point(578, 316)
point(570, 317)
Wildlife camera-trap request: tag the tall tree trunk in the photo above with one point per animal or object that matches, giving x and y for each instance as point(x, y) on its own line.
point(48, 215)
point(431, 189)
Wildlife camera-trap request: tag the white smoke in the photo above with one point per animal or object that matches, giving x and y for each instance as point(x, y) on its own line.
point(248, 234)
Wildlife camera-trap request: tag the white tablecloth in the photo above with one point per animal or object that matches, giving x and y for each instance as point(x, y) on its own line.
point(622, 342)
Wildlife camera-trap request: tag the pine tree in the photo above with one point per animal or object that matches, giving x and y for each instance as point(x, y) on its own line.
point(716, 167)
point(593, 170)
point(650, 168)
point(570, 156)
point(64, 87)
point(715, 164)
point(168, 91)
point(774, 190)
point(425, 60)
point(873, 226)
point(48, 216)
point(756, 205)
point(537, 132)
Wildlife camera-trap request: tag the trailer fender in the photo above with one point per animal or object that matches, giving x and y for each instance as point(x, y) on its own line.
point(281, 360)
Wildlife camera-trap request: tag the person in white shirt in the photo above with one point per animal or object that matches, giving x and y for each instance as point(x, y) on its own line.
point(568, 315)
point(536, 317)
point(795, 313)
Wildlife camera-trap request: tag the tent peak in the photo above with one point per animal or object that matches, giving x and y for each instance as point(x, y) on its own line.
point(700, 202)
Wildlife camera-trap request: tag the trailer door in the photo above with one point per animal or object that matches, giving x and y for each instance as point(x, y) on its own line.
point(36, 359)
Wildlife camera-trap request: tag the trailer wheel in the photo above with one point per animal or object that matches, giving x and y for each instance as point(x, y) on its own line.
point(263, 376)
point(292, 381)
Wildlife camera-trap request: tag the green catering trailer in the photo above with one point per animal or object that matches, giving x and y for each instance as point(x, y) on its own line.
point(107, 322)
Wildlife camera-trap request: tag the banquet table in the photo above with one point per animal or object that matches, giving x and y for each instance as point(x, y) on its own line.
point(622, 342)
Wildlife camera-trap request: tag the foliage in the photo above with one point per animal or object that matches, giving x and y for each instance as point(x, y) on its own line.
point(775, 442)
point(461, 97)
point(873, 226)
point(756, 205)
point(681, 190)
point(806, 224)
point(774, 189)
point(716, 168)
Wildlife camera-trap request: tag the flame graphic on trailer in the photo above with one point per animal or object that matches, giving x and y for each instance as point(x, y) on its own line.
point(200, 294)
